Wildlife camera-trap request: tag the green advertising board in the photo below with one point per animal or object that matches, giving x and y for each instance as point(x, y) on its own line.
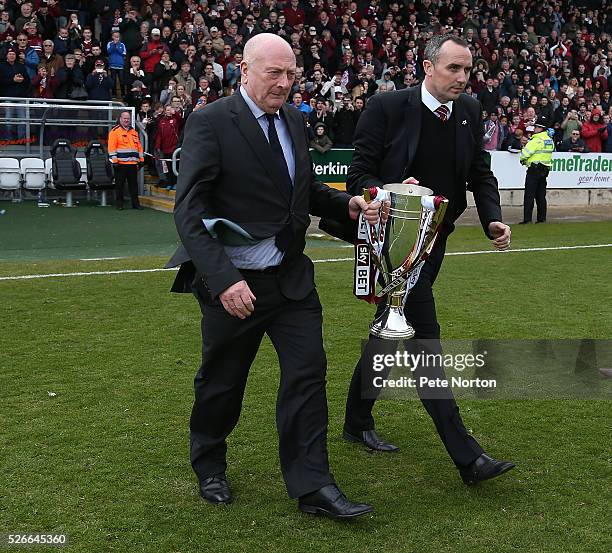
point(332, 167)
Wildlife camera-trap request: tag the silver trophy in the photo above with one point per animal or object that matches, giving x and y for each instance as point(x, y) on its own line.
point(390, 256)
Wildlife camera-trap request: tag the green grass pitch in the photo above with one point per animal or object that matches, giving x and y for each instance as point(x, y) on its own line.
point(105, 459)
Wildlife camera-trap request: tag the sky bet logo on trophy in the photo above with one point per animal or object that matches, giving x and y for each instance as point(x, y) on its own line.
point(387, 261)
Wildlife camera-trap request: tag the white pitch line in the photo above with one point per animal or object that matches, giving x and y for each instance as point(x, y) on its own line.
point(92, 273)
point(477, 252)
point(584, 247)
point(101, 258)
point(333, 260)
point(330, 260)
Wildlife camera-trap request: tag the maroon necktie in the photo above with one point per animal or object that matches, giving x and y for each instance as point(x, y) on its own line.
point(442, 113)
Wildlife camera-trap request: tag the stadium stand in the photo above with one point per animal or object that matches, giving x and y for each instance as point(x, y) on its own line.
point(531, 58)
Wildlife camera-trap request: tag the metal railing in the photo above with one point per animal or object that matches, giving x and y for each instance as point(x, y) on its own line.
point(30, 115)
point(30, 111)
point(175, 160)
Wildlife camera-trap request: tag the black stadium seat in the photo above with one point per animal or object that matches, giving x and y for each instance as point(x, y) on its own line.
point(99, 169)
point(65, 168)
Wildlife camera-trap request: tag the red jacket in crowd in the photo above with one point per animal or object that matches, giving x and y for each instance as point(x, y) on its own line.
point(295, 16)
point(151, 54)
point(168, 132)
point(595, 133)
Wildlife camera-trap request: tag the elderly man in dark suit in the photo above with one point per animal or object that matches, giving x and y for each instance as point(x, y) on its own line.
point(244, 193)
point(429, 135)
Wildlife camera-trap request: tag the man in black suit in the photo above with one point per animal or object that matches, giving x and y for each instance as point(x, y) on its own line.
point(244, 192)
point(434, 134)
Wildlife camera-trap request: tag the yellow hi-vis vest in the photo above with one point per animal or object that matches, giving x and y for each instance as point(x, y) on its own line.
point(538, 150)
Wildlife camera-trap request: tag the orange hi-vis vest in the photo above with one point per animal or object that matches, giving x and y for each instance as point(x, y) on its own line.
point(124, 147)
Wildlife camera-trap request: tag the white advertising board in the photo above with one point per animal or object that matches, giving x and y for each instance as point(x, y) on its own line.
point(569, 170)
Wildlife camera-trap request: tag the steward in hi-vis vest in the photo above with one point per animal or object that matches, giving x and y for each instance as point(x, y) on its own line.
point(125, 152)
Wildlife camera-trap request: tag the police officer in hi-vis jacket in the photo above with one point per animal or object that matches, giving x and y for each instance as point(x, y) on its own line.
point(537, 156)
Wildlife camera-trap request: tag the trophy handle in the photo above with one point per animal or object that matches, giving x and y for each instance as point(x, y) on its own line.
point(440, 205)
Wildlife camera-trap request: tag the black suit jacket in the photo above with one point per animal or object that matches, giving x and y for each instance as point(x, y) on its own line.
point(387, 138)
point(228, 170)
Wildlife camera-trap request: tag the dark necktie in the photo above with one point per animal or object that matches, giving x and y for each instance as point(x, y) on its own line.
point(442, 112)
point(283, 238)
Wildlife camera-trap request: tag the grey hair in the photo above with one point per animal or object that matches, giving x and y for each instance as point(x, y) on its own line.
point(433, 47)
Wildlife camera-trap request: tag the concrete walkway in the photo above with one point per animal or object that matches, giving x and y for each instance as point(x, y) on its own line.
point(555, 214)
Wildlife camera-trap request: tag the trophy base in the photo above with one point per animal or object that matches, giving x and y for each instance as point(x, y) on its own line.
point(392, 325)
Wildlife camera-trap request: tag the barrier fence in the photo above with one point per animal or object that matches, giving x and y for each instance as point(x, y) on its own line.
point(569, 170)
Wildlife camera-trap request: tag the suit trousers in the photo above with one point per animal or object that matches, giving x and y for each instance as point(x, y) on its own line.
point(229, 346)
point(535, 189)
point(126, 173)
point(420, 312)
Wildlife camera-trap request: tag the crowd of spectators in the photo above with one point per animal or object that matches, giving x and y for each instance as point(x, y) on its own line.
point(531, 58)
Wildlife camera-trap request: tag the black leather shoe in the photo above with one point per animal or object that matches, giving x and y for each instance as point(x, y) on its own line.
point(216, 490)
point(119, 208)
point(139, 207)
point(524, 223)
point(484, 468)
point(540, 222)
point(331, 502)
point(371, 440)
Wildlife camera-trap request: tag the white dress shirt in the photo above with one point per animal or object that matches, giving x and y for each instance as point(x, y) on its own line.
point(432, 103)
